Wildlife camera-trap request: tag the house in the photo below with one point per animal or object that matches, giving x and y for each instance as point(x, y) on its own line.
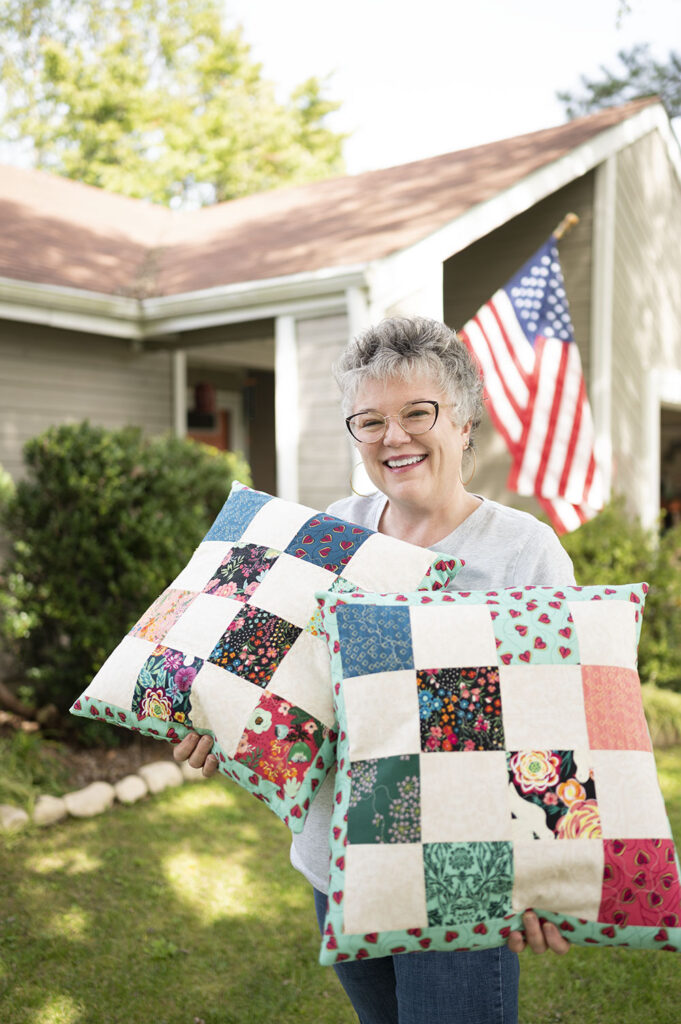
point(225, 322)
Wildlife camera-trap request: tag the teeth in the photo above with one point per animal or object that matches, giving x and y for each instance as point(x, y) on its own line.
point(409, 460)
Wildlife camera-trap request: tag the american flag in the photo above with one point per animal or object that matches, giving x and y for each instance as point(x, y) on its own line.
point(524, 342)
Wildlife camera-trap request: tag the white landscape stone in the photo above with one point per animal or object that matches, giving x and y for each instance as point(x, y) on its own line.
point(49, 809)
point(130, 789)
point(158, 775)
point(94, 799)
point(12, 818)
point(190, 774)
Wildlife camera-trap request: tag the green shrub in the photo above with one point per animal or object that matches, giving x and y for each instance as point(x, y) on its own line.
point(102, 523)
point(612, 548)
point(29, 765)
point(663, 712)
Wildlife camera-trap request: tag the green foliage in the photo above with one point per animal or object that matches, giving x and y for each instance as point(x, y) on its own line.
point(101, 524)
point(155, 99)
point(612, 548)
point(663, 713)
point(640, 74)
point(29, 765)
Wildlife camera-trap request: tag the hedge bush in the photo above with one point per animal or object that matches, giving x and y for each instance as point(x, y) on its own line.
point(103, 520)
point(613, 548)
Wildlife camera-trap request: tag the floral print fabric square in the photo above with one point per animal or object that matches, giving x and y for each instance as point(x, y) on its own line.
point(460, 709)
point(254, 644)
point(239, 575)
point(328, 542)
point(560, 784)
point(467, 882)
point(280, 742)
point(163, 687)
point(384, 801)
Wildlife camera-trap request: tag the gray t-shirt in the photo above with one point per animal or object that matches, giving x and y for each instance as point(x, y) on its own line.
point(501, 547)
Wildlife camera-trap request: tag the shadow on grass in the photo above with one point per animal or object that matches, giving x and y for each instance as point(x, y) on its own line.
point(179, 908)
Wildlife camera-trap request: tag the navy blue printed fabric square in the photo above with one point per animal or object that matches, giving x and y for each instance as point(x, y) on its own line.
point(254, 644)
point(241, 572)
point(374, 639)
point(236, 514)
point(328, 542)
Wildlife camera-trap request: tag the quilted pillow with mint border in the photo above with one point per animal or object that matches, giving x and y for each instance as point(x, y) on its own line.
point(494, 756)
point(228, 648)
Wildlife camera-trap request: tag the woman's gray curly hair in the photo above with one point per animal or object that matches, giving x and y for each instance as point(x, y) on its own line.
point(404, 346)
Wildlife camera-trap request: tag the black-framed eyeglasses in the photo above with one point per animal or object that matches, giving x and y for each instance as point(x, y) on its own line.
point(414, 418)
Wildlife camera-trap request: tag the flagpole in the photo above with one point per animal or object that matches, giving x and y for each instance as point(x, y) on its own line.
point(567, 223)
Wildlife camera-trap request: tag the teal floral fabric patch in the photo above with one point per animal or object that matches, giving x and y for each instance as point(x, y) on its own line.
point(495, 758)
point(230, 648)
point(467, 882)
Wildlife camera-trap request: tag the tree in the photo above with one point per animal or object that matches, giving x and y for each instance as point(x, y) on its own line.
point(640, 75)
point(155, 99)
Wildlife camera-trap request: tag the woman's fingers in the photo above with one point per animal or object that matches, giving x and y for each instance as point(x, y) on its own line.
point(188, 745)
point(537, 937)
point(197, 751)
point(516, 942)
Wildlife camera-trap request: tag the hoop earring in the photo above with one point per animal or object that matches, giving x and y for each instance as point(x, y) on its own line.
point(475, 466)
point(352, 486)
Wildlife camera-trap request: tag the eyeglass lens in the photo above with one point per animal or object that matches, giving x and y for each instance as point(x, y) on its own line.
point(414, 418)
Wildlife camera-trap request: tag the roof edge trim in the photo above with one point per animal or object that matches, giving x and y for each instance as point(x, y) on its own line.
point(123, 317)
point(490, 214)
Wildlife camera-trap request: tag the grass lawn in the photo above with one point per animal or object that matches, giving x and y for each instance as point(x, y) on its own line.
point(184, 908)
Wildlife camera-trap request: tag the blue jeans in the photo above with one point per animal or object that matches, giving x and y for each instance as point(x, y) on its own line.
point(479, 987)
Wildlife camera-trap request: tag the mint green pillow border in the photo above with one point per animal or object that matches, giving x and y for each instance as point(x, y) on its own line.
point(292, 811)
point(337, 947)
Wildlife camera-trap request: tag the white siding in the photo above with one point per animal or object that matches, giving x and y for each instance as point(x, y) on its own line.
point(49, 376)
point(647, 302)
point(324, 451)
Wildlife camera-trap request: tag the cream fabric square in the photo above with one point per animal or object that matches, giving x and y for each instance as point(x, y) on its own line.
point(382, 713)
point(202, 625)
point(542, 707)
point(303, 678)
point(452, 636)
point(381, 560)
point(628, 795)
point(276, 523)
point(564, 877)
point(115, 681)
point(606, 632)
point(202, 565)
point(463, 796)
point(384, 888)
point(222, 702)
point(288, 589)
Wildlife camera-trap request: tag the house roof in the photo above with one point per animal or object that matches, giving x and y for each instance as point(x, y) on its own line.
point(59, 232)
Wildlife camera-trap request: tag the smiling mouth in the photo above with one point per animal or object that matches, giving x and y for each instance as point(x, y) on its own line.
point(404, 460)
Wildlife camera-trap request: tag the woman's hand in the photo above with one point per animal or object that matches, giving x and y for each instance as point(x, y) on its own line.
point(197, 750)
point(538, 937)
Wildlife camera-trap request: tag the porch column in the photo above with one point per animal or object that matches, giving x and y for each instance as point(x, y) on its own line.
point(286, 407)
point(180, 393)
point(602, 292)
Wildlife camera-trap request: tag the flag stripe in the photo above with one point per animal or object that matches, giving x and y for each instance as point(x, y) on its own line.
point(503, 414)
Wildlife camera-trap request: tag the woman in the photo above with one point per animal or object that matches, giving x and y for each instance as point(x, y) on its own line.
point(413, 396)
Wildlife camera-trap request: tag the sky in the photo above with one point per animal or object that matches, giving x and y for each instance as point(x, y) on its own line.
point(422, 77)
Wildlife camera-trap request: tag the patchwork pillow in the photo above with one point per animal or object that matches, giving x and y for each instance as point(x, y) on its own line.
point(225, 650)
point(494, 756)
